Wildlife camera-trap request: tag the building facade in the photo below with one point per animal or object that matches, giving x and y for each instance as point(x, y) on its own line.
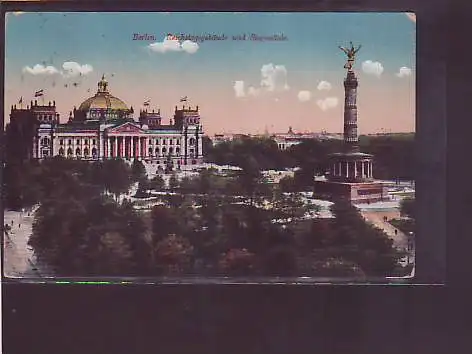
point(103, 127)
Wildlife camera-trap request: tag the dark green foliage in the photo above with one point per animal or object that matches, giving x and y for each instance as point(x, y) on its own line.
point(287, 185)
point(169, 167)
point(359, 242)
point(144, 185)
point(138, 171)
point(173, 255)
point(80, 237)
point(157, 183)
point(404, 225)
point(263, 150)
point(393, 155)
point(173, 183)
point(116, 177)
point(407, 207)
point(164, 222)
point(79, 231)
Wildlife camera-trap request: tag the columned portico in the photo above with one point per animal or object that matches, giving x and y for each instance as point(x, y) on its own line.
point(127, 146)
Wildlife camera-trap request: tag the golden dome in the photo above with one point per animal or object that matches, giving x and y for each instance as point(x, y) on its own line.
point(103, 99)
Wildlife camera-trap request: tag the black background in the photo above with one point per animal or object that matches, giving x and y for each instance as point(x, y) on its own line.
point(48, 318)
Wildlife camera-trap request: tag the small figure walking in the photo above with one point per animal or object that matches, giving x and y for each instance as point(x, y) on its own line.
point(396, 231)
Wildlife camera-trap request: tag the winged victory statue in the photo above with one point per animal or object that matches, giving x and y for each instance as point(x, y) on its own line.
point(351, 56)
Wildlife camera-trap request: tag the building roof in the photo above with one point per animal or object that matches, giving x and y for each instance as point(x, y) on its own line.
point(103, 99)
point(72, 128)
point(351, 155)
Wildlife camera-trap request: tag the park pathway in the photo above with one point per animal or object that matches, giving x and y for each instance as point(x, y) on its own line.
point(19, 259)
point(400, 239)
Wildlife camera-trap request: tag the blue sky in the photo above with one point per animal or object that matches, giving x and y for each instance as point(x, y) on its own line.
point(309, 55)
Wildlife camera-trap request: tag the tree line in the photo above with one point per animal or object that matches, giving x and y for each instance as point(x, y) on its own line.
point(203, 227)
point(82, 229)
point(393, 155)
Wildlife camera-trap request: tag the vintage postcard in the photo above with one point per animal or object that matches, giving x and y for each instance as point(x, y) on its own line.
point(209, 146)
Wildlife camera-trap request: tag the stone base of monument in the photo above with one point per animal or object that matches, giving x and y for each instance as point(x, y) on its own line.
point(357, 192)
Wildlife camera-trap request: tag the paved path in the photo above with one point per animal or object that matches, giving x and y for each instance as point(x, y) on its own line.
point(400, 240)
point(19, 259)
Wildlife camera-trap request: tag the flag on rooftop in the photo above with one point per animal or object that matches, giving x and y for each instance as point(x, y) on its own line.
point(38, 93)
point(20, 100)
point(183, 99)
point(146, 103)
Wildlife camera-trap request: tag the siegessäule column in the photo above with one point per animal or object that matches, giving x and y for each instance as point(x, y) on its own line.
point(350, 112)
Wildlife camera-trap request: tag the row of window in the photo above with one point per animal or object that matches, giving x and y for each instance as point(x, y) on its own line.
point(45, 117)
point(106, 115)
point(78, 142)
point(192, 120)
point(46, 141)
point(157, 151)
point(171, 141)
point(78, 152)
point(193, 162)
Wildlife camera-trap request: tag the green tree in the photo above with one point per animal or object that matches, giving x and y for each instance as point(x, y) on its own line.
point(143, 188)
point(174, 255)
point(250, 178)
point(173, 183)
point(289, 205)
point(164, 221)
point(138, 171)
point(407, 207)
point(90, 237)
point(237, 262)
point(280, 261)
point(157, 183)
point(169, 165)
point(361, 243)
point(287, 185)
point(116, 176)
point(187, 185)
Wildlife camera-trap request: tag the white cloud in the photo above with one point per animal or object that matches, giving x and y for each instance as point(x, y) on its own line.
point(239, 88)
point(72, 69)
point(189, 47)
point(304, 96)
point(324, 85)
point(252, 91)
point(173, 45)
point(274, 77)
point(403, 72)
point(327, 103)
point(372, 67)
point(39, 69)
point(69, 69)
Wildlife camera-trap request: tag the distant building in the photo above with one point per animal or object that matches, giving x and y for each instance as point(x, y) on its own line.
point(221, 138)
point(287, 140)
point(103, 127)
